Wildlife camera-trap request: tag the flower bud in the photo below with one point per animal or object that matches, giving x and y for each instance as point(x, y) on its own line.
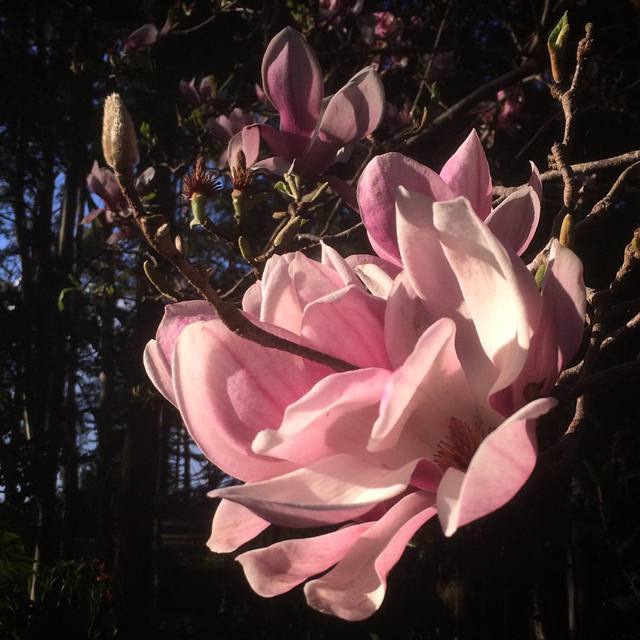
point(118, 136)
point(566, 231)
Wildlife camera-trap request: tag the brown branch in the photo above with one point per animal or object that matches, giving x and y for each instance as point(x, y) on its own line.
point(597, 382)
point(567, 96)
point(603, 205)
point(470, 100)
point(581, 168)
point(156, 232)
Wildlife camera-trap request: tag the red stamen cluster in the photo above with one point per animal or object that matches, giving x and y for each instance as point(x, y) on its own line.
point(200, 182)
point(457, 448)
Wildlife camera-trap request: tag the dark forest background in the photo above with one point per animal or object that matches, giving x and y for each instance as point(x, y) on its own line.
point(103, 508)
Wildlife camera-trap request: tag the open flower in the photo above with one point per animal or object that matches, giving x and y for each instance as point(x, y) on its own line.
point(313, 129)
point(412, 432)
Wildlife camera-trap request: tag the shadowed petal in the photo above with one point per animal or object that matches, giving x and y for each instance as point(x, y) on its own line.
point(158, 369)
point(355, 588)
point(377, 190)
point(467, 173)
point(515, 220)
point(284, 565)
point(143, 37)
point(233, 525)
point(292, 80)
point(564, 292)
point(329, 491)
point(501, 465)
point(354, 111)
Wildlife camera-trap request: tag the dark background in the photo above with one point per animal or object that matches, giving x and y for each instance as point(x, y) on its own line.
point(98, 479)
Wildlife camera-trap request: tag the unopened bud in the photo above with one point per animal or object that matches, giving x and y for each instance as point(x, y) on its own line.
point(566, 231)
point(288, 232)
point(556, 44)
point(245, 249)
point(158, 280)
point(119, 144)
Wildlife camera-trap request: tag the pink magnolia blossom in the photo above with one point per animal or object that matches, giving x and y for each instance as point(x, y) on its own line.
point(432, 421)
point(197, 94)
point(386, 24)
point(313, 129)
point(142, 38)
point(103, 183)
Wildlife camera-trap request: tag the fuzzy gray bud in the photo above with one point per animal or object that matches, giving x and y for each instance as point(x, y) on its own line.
point(118, 136)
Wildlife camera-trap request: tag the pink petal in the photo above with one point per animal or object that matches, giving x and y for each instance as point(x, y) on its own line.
point(335, 261)
point(335, 416)
point(252, 299)
point(564, 292)
point(277, 165)
point(356, 110)
point(233, 525)
point(406, 319)
point(351, 114)
point(362, 259)
point(467, 173)
point(515, 220)
point(355, 588)
point(289, 284)
point(329, 491)
point(500, 467)
point(159, 370)
point(423, 395)
point(558, 334)
point(229, 388)
point(377, 189)
point(535, 181)
point(280, 143)
point(247, 141)
point(189, 93)
point(143, 37)
point(498, 290)
point(347, 324)
point(292, 80)
point(284, 565)
point(427, 269)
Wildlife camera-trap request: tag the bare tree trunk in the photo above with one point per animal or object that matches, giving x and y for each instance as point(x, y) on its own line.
point(134, 562)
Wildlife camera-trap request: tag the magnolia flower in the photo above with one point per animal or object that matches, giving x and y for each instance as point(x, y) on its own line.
point(452, 345)
point(313, 129)
point(197, 94)
point(412, 432)
point(103, 183)
point(386, 24)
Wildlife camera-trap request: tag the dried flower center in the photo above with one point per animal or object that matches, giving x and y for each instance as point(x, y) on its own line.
point(457, 447)
point(200, 182)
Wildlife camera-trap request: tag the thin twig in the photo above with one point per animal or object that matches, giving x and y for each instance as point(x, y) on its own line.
point(603, 205)
point(581, 168)
point(464, 104)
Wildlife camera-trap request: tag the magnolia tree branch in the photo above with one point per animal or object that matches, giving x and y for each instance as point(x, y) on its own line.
point(581, 168)
point(464, 104)
point(157, 234)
